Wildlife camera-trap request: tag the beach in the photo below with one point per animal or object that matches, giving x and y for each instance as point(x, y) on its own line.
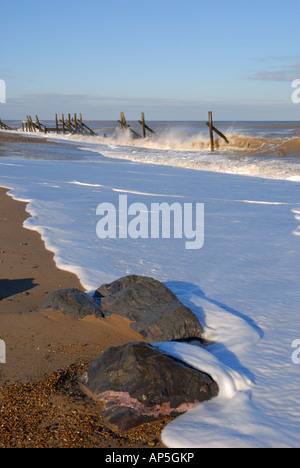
point(48, 352)
point(242, 284)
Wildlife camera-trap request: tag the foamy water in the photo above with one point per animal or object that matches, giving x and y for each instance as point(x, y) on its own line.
point(267, 150)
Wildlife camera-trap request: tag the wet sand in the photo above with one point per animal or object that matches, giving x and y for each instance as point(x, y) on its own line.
point(7, 137)
point(47, 351)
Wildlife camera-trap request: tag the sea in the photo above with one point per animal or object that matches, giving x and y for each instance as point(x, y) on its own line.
point(260, 149)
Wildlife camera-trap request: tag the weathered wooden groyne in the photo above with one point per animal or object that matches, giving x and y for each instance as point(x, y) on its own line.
point(212, 129)
point(142, 122)
point(63, 125)
point(3, 126)
point(74, 125)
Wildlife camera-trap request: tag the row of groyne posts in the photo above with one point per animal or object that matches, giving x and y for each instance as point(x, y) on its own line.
point(76, 125)
point(64, 125)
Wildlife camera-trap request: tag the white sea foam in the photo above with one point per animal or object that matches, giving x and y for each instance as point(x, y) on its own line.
point(228, 380)
point(178, 148)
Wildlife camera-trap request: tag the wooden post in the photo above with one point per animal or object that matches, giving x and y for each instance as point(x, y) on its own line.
point(56, 123)
point(69, 126)
point(282, 153)
point(123, 120)
point(28, 124)
point(80, 119)
point(211, 132)
point(75, 121)
point(32, 124)
point(89, 129)
point(145, 127)
point(38, 123)
point(219, 133)
point(63, 122)
point(143, 124)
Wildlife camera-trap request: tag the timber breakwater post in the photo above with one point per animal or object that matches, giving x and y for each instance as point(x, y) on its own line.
point(213, 129)
point(3, 126)
point(144, 126)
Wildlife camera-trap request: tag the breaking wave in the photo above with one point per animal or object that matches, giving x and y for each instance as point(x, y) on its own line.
point(269, 151)
point(179, 140)
point(245, 155)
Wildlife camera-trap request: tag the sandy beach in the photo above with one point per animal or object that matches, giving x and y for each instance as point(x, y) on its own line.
point(47, 351)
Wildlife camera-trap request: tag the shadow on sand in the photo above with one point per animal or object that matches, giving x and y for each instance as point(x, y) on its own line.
point(9, 288)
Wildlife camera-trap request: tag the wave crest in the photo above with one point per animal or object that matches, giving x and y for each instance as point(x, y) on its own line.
point(178, 140)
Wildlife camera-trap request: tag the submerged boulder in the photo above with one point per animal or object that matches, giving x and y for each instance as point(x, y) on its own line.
point(157, 314)
point(73, 302)
point(138, 383)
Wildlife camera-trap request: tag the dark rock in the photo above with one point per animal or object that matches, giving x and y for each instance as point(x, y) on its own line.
point(158, 315)
point(73, 302)
point(121, 284)
point(138, 383)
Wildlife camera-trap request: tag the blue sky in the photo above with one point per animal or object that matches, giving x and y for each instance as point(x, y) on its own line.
point(174, 60)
